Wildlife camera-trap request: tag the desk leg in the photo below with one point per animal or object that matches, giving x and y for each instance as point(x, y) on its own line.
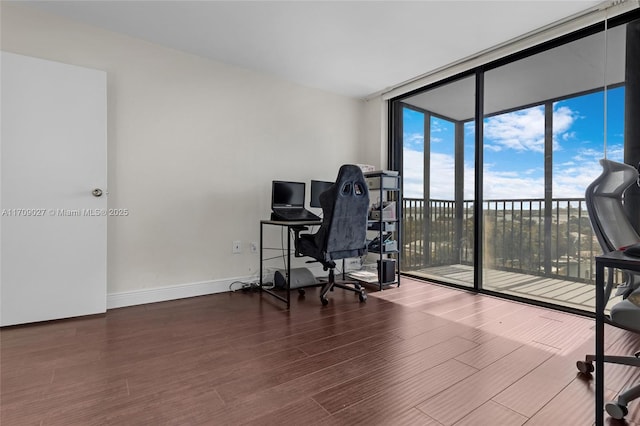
point(288, 267)
point(261, 258)
point(264, 289)
point(599, 367)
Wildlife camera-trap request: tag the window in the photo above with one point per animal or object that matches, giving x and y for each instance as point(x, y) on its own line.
point(438, 221)
point(515, 186)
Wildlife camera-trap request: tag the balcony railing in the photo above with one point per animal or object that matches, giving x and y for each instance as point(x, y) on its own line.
point(523, 235)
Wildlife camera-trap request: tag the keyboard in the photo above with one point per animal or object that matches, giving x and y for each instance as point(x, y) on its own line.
point(293, 215)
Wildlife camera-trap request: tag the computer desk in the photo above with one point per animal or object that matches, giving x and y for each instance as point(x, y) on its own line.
point(289, 225)
point(615, 259)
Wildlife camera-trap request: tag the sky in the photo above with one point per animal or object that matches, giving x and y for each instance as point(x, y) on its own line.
point(514, 150)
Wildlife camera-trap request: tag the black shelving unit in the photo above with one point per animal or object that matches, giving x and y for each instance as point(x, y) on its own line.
point(383, 225)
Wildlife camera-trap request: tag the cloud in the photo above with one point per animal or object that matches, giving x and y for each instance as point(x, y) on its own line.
point(523, 130)
point(437, 125)
point(413, 166)
point(511, 186)
point(571, 178)
point(413, 139)
point(615, 152)
point(563, 119)
point(442, 175)
point(570, 181)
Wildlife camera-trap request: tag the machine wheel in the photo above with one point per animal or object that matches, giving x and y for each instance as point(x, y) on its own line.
point(324, 301)
point(585, 367)
point(362, 296)
point(615, 410)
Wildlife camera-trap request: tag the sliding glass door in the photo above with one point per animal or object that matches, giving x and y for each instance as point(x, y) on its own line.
point(541, 148)
point(438, 178)
point(495, 164)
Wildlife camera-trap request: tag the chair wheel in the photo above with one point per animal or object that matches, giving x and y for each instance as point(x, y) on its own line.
point(585, 367)
point(301, 291)
point(615, 410)
point(324, 301)
point(362, 296)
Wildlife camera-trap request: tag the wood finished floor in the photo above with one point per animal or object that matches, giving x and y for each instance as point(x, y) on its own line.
point(420, 354)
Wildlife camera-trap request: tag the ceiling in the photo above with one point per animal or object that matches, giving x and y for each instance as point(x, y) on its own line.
point(576, 67)
point(353, 48)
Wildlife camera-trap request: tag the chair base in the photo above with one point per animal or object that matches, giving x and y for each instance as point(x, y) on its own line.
point(586, 366)
point(618, 409)
point(331, 283)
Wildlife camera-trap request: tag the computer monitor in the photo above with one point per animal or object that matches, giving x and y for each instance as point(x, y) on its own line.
point(287, 194)
point(317, 188)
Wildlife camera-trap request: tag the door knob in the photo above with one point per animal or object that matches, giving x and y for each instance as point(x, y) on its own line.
point(97, 192)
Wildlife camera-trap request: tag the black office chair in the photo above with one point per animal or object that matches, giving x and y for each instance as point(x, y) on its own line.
point(343, 232)
point(612, 228)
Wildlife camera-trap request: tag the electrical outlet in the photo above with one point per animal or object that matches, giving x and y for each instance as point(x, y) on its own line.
point(237, 247)
point(254, 247)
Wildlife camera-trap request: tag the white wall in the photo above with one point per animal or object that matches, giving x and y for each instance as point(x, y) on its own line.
point(373, 132)
point(193, 145)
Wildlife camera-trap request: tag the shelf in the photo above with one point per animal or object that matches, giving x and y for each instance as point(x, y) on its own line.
point(368, 277)
point(364, 276)
point(384, 252)
point(384, 221)
point(384, 227)
point(383, 180)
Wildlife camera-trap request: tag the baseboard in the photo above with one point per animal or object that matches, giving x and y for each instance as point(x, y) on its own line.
point(179, 291)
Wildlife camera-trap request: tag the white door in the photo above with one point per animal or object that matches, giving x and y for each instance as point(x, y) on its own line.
point(53, 230)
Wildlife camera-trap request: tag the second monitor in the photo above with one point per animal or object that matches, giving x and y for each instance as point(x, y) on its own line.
point(317, 188)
